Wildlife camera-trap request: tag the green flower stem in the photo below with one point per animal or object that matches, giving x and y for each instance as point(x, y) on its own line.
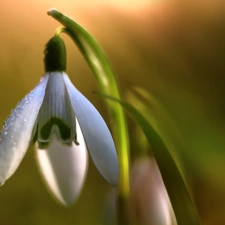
point(107, 83)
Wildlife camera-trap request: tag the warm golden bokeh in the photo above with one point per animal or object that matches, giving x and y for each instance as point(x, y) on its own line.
point(174, 50)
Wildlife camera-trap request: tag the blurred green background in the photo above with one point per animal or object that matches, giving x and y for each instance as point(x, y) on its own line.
point(174, 50)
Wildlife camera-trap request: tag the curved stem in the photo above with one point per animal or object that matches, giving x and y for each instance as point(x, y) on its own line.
point(60, 30)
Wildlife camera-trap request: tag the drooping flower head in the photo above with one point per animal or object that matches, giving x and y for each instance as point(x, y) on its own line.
point(62, 124)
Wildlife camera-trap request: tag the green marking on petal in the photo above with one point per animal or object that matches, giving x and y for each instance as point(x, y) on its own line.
point(43, 145)
point(65, 131)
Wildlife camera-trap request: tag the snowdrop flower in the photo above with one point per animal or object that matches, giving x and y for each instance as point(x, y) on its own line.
point(150, 203)
point(62, 124)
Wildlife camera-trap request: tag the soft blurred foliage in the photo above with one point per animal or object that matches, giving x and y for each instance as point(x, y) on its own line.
point(174, 50)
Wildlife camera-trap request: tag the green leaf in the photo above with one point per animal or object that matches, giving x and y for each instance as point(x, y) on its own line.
point(180, 198)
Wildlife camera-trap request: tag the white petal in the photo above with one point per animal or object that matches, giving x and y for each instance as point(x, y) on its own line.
point(17, 130)
point(56, 115)
point(64, 168)
point(96, 133)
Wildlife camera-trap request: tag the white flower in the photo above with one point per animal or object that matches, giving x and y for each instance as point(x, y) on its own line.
point(150, 203)
point(61, 122)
